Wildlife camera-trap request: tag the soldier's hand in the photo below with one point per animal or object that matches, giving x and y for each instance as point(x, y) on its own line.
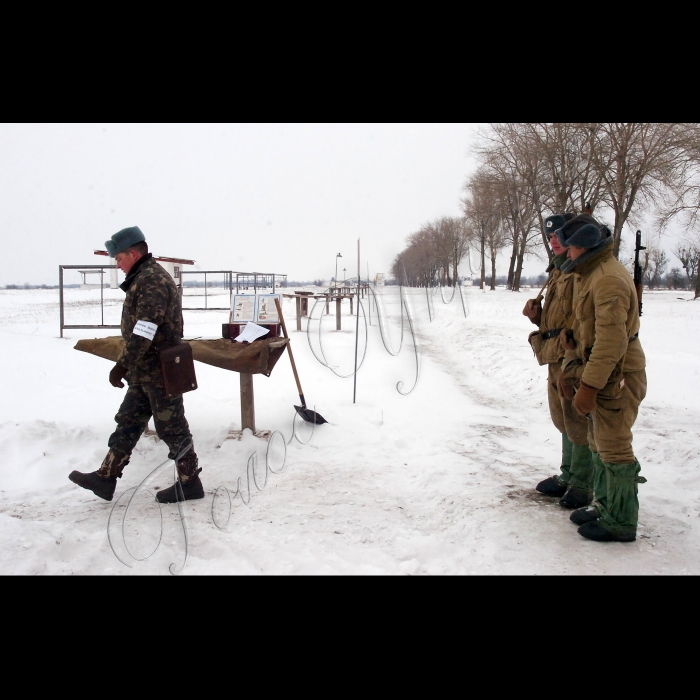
point(117, 373)
point(567, 339)
point(533, 310)
point(585, 399)
point(565, 386)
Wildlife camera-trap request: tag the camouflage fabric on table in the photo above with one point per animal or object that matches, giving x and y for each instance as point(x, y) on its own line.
point(258, 357)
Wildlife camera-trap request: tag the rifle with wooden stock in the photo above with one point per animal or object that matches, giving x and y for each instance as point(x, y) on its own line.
point(638, 274)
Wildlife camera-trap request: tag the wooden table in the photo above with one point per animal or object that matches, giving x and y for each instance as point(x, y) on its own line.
point(337, 294)
point(258, 357)
point(302, 300)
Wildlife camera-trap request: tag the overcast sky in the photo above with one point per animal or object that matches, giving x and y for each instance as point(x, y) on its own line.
point(282, 198)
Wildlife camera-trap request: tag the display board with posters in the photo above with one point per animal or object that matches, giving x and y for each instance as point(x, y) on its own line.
point(243, 308)
point(266, 309)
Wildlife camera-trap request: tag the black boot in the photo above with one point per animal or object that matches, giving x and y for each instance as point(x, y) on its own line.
point(584, 515)
point(576, 497)
point(593, 530)
point(179, 491)
point(99, 485)
point(553, 486)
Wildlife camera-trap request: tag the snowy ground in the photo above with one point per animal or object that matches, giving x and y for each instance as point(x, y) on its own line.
point(440, 481)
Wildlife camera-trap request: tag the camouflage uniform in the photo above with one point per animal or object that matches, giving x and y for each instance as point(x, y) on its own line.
point(577, 468)
point(151, 297)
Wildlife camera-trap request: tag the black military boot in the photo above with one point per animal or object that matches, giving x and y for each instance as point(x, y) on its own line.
point(103, 482)
point(180, 491)
point(553, 486)
point(584, 515)
point(576, 497)
point(594, 530)
point(188, 487)
point(101, 486)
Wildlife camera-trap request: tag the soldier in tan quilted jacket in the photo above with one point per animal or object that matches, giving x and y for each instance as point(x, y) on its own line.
point(604, 372)
point(574, 484)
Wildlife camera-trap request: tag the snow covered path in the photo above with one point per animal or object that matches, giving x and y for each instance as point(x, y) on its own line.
point(437, 482)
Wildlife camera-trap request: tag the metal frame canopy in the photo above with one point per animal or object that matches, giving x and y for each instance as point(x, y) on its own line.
point(258, 280)
point(226, 285)
point(262, 280)
point(81, 268)
point(244, 280)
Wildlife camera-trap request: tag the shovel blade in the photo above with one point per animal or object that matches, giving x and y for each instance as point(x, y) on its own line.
point(310, 416)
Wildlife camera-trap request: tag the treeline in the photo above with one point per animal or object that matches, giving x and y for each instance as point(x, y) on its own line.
point(307, 283)
point(654, 263)
point(528, 171)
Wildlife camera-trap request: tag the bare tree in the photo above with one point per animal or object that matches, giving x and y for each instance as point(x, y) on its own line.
point(462, 236)
point(654, 266)
point(641, 164)
point(496, 241)
point(570, 180)
point(689, 255)
point(675, 279)
point(433, 253)
point(483, 213)
point(514, 161)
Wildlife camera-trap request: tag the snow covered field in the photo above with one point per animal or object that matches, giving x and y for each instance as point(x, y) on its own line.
point(440, 481)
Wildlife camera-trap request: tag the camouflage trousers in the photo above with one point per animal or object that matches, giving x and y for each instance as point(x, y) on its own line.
point(143, 401)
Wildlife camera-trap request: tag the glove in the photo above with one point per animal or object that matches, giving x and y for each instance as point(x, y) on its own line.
point(533, 310)
point(567, 339)
point(117, 373)
point(566, 386)
point(585, 399)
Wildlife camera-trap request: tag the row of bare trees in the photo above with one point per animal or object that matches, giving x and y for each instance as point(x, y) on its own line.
point(433, 253)
point(654, 263)
point(527, 171)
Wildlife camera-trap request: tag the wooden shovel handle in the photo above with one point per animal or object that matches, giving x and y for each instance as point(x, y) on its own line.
point(289, 349)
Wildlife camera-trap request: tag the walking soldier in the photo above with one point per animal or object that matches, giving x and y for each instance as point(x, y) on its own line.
point(574, 484)
point(604, 372)
point(151, 321)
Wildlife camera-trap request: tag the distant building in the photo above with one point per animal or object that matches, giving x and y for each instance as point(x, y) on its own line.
point(379, 279)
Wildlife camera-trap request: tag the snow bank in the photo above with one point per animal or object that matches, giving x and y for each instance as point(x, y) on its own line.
point(440, 481)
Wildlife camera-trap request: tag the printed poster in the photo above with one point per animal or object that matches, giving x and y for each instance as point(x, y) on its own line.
point(243, 308)
point(267, 311)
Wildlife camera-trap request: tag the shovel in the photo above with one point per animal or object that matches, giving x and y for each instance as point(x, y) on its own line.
point(308, 415)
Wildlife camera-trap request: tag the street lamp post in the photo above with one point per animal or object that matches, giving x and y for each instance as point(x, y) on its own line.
point(343, 276)
point(335, 279)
